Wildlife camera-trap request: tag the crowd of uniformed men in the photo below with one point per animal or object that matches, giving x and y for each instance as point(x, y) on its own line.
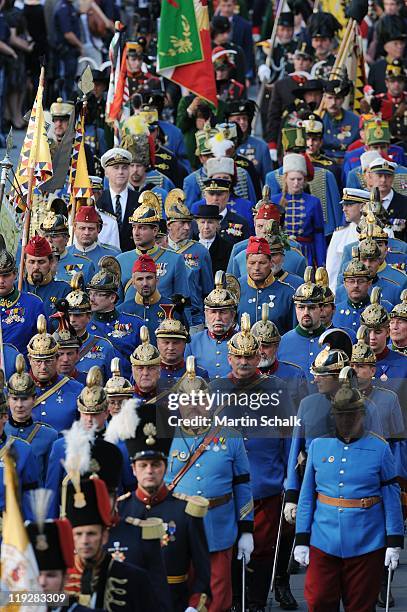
point(209, 263)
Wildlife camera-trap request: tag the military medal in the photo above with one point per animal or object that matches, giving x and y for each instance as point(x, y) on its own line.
point(331, 459)
point(384, 376)
point(171, 530)
point(183, 456)
point(215, 447)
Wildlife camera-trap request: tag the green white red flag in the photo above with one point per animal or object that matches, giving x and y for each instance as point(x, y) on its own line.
point(184, 47)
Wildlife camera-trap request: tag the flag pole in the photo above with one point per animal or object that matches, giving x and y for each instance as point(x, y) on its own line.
point(31, 179)
point(6, 164)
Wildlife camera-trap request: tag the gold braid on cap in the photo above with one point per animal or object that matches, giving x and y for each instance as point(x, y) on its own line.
point(244, 343)
point(361, 352)
point(375, 315)
point(145, 353)
point(400, 310)
point(266, 331)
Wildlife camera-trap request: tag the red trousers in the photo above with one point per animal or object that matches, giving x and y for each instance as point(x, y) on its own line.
point(221, 580)
point(266, 518)
point(355, 580)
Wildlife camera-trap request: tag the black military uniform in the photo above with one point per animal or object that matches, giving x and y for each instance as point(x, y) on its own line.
point(389, 28)
point(184, 543)
point(394, 109)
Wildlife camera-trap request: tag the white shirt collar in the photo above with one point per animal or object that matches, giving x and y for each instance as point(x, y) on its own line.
point(386, 201)
point(207, 243)
point(83, 249)
point(224, 213)
point(123, 199)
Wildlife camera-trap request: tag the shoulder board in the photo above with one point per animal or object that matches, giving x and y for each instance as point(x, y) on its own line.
point(43, 425)
point(340, 228)
point(390, 280)
point(151, 528)
point(108, 214)
point(297, 251)
point(109, 246)
point(379, 437)
point(101, 338)
point(124, 496)
point(295, 365)
point(196, 506)
point(81, 256)
point(37, 297)
point(131, 314)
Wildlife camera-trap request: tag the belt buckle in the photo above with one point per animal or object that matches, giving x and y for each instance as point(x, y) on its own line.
point(365, 502)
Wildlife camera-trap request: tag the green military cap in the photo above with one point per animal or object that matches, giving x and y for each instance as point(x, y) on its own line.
point(376, 132)
point(265, 330)
point(293, 139)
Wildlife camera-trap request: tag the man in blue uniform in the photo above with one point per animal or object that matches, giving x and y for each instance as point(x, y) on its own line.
point(210, 345)
point(122, 329)
point(357, 283)
point(196, 257)
point(68, 345)
point(398, 325)
point(269, 337)
point(391, 367)
point(19, 310)
point(117, 388)
point(147, 302)
point(25, 463)
point(260, 286)
point(55, 403)
point(300, 345)
point(341, 127)
point(184, 542)
point(38, 262)
point(172, 338)
point(94, 349)
point(86, 228)
point(171, 270)
point(21, 397)
point(332, 532)
point(223, 477)
point(55, 229)
point(146, 371)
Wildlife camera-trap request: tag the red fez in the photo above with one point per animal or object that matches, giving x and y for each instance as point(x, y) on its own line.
point(268, 211)
point(38, 246)
point(87, 214)
point(258, 246)
point(144, 263)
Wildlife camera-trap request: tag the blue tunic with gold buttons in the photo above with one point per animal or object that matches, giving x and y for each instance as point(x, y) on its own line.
point(390, 290)
point(50, 293)
point(304, 220)
point(347, 313)
point(359, 469)
point(40, 437)
point(122, 330)
point(173, 372)
point(96, 351)
point(95, 252)
point(26, 469)
point(339, 133)
point(276, 294)
point(211, 352)
point(70, 263)
point(19, 313)
point(221, 471)
point(300, 347)
point(55, 403)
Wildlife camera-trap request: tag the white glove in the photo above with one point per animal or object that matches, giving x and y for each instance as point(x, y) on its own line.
point(301, 554)
point(392, 557)
point(191, 609)
point(245, 546)
point(273, 154)
point(264, 73)
point(290, 512)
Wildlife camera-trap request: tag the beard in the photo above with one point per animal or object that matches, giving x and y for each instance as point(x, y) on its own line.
point(265, 362)
point(37, 278)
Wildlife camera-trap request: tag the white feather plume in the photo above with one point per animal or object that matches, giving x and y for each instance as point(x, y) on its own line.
point(124, 424)
point(40, 500)
point(78, 441)
point(219, 146)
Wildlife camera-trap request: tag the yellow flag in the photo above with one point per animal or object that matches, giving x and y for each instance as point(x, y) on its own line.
point(19, 569)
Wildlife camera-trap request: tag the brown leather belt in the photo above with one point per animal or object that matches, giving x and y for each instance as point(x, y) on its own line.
point(214, 502)
point(365, 502)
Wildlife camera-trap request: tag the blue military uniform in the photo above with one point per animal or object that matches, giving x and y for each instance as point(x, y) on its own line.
point(390, 290)
point(300, 347)
point(10, 353)
point(355, 177)
point(94, 253)
point(396, 247)
point(239, 206)
point(223, 470)
point(96, 351)
point(324, 187)
point(304, 220)
point(41, 438)
point(26, 469)
point(292, 375)
point(389, 410)
point(121, 329)
point(19, 313)
point(70, 263)
point(369, 472)
point(174, 372)
point(391, 365)
point(339, 133)
point(351, 160)
point(55, 404)
point(49, 293)
point(257, 151)
point(162, 184)
point(194, 184)
point(277, 294)
point(174, 141)
point(388, 272)
point(210, 352)
point(347, 313)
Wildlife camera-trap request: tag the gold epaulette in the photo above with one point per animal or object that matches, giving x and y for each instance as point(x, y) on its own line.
point(197, 506)
point(151, 528)
point(376, 435)
point(123, 497)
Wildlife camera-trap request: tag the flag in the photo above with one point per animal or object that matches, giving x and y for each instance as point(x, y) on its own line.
point(184, 47)
point(34, 154)
point(19, 569)
point(61, 160)
point(79, 183)
point(118, 92)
